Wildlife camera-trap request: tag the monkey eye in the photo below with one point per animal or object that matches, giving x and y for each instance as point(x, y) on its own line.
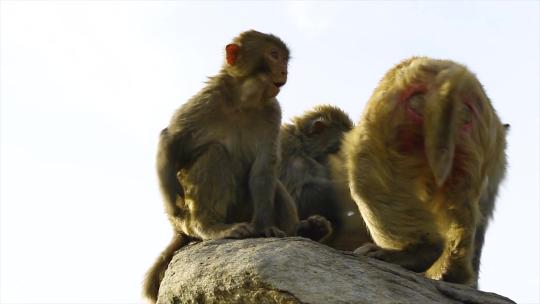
point(317, 127)
point(274, 54)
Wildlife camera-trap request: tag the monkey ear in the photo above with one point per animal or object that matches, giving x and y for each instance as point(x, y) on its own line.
point(317, 127)
point(232, 53)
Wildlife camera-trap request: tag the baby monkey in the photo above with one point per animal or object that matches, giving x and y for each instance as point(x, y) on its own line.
point(424, 165)
point(311, 171)
point(217, 159)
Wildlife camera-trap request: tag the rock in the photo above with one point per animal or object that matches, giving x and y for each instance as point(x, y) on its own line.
point(297, 270)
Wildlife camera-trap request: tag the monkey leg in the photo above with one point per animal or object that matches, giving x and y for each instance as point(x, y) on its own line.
point(478, 244)
point(387, 190)
point(404, 231)
point(487, 203)
point(456, 263)
point(211, 189)
point(286, 213)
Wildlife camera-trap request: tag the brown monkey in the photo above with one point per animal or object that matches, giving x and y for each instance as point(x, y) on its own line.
point(309, 147)
point(424, 165)
point(217, 159)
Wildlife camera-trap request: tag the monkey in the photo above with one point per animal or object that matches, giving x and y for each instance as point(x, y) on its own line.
point(306, 144)
point(217, 159)
point(310, 170)
point(424, 166)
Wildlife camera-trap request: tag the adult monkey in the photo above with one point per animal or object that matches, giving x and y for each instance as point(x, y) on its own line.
point(312, 170)
point(425, 164)
point(217, 159)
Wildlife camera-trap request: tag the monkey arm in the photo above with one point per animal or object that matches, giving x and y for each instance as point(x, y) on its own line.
point(286, 215)
point(167, 173)
point(175, 151)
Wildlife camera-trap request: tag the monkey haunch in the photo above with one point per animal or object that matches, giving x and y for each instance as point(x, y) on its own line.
point(424, 165)
point(217, 159)
point(309, 170)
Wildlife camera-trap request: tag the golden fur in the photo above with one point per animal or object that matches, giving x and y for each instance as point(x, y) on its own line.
point(424, 165)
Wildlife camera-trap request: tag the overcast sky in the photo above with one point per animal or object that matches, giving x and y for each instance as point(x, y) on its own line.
point(85, 88)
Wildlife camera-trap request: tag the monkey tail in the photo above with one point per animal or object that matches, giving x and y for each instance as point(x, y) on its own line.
point(155, 274)
point(441, 125)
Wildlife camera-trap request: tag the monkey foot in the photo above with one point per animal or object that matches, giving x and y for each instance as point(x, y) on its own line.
point(314, 227)
point(369, 249)
point(461, 275)
point(239, 231)
point(273, 231)
point(414, 258)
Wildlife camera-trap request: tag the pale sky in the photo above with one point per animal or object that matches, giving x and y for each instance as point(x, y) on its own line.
point(85, 88)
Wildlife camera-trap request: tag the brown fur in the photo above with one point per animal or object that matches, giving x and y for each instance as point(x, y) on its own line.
point(425, 164)
point(217, 159)
point(350, 229)
point(310, 145)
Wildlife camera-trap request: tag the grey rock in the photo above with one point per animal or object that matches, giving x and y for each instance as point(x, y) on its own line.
point(297, 270)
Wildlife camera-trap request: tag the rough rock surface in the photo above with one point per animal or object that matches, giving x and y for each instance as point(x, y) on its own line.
point(297, 270)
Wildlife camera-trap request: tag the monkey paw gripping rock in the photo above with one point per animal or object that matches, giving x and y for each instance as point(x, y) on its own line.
point(297, 270)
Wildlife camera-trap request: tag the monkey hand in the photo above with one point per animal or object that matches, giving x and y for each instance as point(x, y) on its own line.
point(315, 227)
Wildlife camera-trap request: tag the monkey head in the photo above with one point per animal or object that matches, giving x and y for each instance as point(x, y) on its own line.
point(322, 129)
point(256, 54)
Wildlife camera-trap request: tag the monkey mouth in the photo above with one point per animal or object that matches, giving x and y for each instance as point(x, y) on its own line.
point(279, 84)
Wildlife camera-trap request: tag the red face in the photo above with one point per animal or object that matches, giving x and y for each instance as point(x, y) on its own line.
point(277, 61)
point(274, 65)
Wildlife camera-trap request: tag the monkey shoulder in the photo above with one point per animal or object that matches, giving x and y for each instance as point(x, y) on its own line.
point(214, 116)
point(291, 139)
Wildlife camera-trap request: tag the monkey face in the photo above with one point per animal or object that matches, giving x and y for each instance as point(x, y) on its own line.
point(276, 61)
point(260, 55)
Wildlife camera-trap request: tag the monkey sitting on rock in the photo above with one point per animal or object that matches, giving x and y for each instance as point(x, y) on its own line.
point(217, 159)
point(424, 165)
